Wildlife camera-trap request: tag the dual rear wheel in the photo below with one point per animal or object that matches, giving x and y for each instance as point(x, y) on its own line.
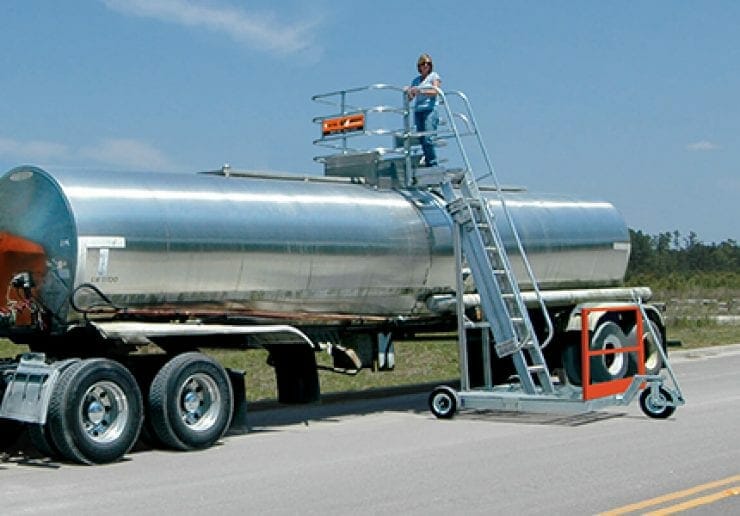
point(190, 402)
point(608, 335)
point(96, 410)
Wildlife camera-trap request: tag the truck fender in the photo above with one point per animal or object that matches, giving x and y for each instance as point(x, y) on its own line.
point(28, 392)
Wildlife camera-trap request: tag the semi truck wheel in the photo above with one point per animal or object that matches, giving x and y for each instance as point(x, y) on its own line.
point(607, 335)
point(96, 412)
point(41, 440)
point(653, 360)
point(190, 402)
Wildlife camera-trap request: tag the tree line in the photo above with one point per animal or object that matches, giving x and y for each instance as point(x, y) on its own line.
point(672, 256)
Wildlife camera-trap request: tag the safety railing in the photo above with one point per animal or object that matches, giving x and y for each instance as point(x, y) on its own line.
point(351, 121)
point(600, 389)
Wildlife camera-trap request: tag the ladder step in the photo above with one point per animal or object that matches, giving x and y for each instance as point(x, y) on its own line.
point(477, 324)
point(507, 348)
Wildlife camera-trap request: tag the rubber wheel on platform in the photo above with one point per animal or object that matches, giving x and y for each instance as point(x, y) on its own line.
point(443, 402)
point(657, 406)
point(96, 412)
point(190, 402)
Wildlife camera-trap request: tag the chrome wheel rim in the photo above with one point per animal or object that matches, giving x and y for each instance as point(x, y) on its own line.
point(199, 402)
point(104, 412)
point(442, 404)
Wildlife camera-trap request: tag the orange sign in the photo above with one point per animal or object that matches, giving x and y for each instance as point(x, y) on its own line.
point(343, 124)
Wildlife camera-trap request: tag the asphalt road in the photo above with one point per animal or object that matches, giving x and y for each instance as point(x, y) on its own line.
point(391, 456)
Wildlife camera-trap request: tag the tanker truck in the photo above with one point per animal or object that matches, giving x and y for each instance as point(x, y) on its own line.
point(97, 266)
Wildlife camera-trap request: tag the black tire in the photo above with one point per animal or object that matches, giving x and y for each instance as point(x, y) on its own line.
point(608, 335)
point(41, 440)
point(190, 402)
point(443, 402)
point(96, 412)
point(39, 434)
point(657, 407)
point(653, 359)
point(145, 368)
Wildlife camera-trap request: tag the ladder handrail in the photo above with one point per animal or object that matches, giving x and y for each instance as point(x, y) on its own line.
point(472, 123)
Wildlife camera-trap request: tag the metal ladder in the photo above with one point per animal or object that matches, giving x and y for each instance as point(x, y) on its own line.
point(478, 240)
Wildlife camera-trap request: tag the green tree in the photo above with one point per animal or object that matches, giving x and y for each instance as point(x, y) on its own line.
point(669, 258)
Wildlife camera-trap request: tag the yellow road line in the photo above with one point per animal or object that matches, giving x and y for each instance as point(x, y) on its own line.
point(671, 496)
point(696, 502)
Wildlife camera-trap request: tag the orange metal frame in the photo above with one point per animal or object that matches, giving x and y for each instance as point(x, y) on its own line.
point(343, 124)
point(611, 387)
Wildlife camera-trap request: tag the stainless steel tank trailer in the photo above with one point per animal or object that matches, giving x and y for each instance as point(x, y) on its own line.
point(96, 266)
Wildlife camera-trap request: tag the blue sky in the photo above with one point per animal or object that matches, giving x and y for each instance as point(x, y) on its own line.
point(637, 103)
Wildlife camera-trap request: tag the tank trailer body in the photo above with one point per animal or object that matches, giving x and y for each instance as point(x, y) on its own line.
point(97, 265)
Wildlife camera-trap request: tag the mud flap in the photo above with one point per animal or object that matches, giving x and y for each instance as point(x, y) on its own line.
point(239, 417)
point(296, 373)
point(29, 390)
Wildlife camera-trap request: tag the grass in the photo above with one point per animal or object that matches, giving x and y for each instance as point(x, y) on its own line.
point(690, 310)
point(417, 361)
point(702, 333)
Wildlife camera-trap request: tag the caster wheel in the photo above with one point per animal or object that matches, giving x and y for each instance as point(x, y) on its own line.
point(443, 402)
point(657, 406)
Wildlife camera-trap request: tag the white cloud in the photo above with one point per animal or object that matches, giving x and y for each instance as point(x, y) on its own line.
point(261, 31)
point(703, 145)
point(127, 153)
point(118, 153)
point(38, 150)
